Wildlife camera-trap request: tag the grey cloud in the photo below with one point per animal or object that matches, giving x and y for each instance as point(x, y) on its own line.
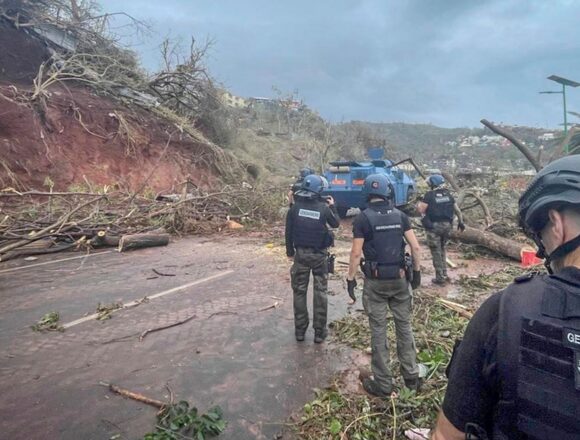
point(448, 62)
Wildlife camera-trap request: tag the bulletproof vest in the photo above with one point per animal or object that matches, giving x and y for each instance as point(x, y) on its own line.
point(386, 245)
point(309, 224)
point(539, 360)
point(441, 206)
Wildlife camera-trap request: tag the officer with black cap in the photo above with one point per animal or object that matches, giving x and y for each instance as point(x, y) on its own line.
point(380, 233)
point(438, 207)
point(297, 186)
point(307, 241)
point(516, 374)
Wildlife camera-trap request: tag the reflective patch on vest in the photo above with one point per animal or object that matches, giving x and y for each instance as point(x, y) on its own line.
point(445, 199)
point(571, 338)
point(387, 227)
point(309, 214)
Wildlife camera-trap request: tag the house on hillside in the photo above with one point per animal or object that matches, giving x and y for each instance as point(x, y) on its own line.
point(547, 137)
point(231, 100)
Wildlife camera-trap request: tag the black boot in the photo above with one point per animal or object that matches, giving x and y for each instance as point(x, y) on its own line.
point(299, 335)
point(414, 384)
point(372, 387)
point(320, 335)
point(438, 281)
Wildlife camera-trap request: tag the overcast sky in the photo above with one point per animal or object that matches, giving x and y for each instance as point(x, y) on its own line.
point(446, 62)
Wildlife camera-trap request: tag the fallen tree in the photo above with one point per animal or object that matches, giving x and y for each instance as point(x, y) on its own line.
point(491, 241)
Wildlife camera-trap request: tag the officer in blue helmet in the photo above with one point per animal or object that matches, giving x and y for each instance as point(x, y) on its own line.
point(381, 233)
point(307, 241)
point(297, 186)
point(437, 208)
point(516, 374)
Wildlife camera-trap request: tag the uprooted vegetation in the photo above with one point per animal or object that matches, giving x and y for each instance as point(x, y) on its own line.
point(335, 414)
point(94, 111)
point(38, 223)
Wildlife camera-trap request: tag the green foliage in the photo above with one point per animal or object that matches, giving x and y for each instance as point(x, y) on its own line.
point(48, 322)
point(436, 329)
point(180, 421)
point(331, 413)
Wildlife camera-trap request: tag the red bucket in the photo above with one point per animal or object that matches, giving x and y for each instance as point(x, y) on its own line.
point(528, 258)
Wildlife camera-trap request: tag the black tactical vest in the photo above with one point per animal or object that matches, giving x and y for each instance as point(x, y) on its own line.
point(386, 245)
point(309, 224)
point(539, 360)
point(440, 207)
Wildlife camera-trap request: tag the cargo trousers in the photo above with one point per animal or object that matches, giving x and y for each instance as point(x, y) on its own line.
point(437, 240)
point(308, 260)
point(378, 297)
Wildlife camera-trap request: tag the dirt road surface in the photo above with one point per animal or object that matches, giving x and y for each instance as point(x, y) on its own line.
point(231, 354)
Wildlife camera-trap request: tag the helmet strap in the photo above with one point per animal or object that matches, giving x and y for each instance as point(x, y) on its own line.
point(560, 252)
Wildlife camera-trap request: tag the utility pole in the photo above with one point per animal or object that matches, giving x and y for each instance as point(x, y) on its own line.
point(565, 82)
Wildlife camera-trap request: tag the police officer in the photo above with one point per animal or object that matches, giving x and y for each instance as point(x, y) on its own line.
point(297, 186)
point(516, 374)
point(380, 232)
point(307, 241)
point(437, 208)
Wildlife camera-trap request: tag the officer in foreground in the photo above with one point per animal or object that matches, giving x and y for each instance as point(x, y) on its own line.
point(516, 374)
point(380, 232)
point(307, 241)
point(437, 208)
point(297, 186)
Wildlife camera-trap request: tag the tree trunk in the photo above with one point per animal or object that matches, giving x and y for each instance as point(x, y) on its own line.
point(518, 144)
point(102, 239)
point(489, 240)
point(138, 241)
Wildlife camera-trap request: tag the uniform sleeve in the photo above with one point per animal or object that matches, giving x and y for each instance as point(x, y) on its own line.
point(406, 222)
point(472, 394)
point(332, 216)
point(360, 226)
point(288, 233)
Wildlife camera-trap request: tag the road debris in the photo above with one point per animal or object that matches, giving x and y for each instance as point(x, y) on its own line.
point(164, 327)
point(162, 274)
point(104, 311)
point(48, 323)
point(273, 306)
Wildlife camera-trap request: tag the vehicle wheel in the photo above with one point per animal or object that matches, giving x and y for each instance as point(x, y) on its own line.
point(341, 211)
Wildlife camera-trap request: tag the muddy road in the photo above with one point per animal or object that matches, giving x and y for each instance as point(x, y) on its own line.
point(238, 352)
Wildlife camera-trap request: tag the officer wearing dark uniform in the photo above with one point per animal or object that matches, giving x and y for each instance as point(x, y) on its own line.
point(438, 207)
point(297, 186)
point(380, 232)
point(516, 374)
point(307, 241)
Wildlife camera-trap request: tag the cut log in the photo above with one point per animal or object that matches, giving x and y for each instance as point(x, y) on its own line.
point(138, 241)
point(491, 241)
point(102, 239)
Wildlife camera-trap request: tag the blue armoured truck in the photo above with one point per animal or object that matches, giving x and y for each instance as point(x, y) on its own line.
point(346, 179)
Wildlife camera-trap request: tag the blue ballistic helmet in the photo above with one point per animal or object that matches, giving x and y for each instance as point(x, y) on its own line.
point(378, 185)
point(314, 184)
point(435, 180)
point(306, 172)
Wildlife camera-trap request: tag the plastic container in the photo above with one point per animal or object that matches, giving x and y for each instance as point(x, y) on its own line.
point(528, 258)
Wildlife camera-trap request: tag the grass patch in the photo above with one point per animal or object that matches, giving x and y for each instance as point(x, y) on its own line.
point(335, 415)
